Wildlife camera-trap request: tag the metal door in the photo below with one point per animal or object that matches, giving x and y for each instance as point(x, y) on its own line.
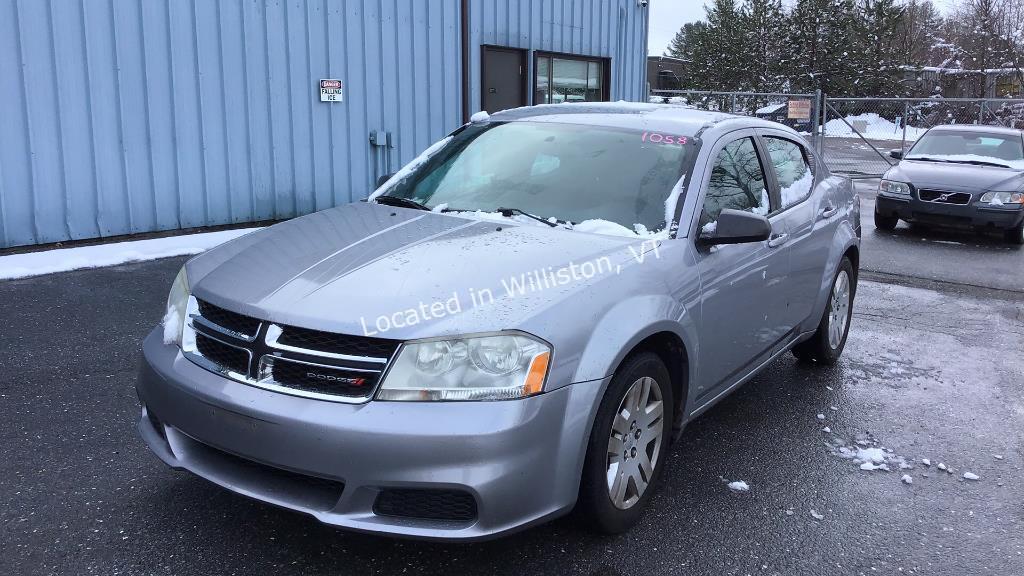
point(743, 294)
point(504, 78)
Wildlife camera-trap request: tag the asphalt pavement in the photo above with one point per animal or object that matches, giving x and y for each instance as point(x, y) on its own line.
point(939, 254)
point(931, 371)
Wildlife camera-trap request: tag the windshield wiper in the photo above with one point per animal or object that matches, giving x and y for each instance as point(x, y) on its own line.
point(508, 212)
point(952, 161)
point(400, 202)
point(925, 159)
point(979, 163)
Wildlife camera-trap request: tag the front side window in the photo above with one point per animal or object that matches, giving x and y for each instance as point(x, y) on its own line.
point(796, 179)
point(737, 183)
point(570, 172)
point(565, 79)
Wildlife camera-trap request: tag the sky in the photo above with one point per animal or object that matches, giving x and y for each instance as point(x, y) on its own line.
point(668, 16)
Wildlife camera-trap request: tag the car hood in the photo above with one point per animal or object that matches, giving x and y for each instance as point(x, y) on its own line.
point(343, 269)
point(957, 177)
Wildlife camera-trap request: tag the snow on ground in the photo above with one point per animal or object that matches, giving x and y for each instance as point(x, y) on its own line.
point(970, 476)
point(907, 479)
point(816, 515)
point(875, 127)
point(869, 456)
point(64, 259)
point(770, 108)
point(739, 486)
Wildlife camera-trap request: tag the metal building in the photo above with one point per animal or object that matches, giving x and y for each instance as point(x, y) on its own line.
point(127, 116)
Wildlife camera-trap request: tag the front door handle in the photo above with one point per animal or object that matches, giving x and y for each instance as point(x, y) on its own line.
point(828, 212)
point(778, 240)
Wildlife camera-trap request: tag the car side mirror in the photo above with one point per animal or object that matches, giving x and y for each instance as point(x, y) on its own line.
point(897, 154)
point(736, 227)
point(383, 179)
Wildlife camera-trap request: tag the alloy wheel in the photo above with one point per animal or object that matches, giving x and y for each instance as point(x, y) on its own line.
point(634, 443)
point(839, 308)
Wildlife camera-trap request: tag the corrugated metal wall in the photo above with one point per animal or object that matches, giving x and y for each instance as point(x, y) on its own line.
point(124, 116)
point(615, 29)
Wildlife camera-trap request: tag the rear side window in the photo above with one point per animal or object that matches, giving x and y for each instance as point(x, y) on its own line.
point(737, 182)
point(796, 179)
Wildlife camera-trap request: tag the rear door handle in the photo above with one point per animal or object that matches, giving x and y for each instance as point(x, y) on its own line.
point(778, 240)
point(828, 212)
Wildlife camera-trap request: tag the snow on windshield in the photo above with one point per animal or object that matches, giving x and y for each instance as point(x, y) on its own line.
point(605, 180)
point(1017, 164)
point(970, 145)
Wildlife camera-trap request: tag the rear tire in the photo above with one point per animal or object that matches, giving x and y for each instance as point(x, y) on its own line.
point(886, 222)
point(628, 445)
point(1016, 235)
point(826, 345)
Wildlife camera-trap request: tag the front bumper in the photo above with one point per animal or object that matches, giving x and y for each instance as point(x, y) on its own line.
point(520, 460)
point(972, 215)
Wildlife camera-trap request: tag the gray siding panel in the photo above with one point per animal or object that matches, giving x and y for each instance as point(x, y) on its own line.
point(126, 116)
point(615, 29)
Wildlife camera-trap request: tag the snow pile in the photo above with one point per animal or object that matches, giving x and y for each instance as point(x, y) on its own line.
point(816, 515)
point(609, 228)
point(1016, 164)
point(907, 479)
point(739, 486)
point(869, 456)
point(798, 190)
point(874, 126)
point(669, 100)
point(481, 116)
point(65, 259)
point(970, 476)
point(171, 322)
point(771, 108)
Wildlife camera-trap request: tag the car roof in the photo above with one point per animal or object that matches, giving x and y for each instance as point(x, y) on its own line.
point(980, 128)
point(669, 118)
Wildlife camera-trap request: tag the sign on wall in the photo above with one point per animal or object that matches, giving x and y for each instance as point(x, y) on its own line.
point(331, 91)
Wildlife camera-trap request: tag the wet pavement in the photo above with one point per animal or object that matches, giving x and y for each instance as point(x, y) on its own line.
point(933, 371)
point(943, 254)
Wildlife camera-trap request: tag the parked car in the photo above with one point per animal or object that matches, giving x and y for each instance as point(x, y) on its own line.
point(515, 325)
point(958, 175)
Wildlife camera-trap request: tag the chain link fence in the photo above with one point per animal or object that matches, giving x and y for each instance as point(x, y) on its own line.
point(853, 135)
point(858, 133)
point(801, 112)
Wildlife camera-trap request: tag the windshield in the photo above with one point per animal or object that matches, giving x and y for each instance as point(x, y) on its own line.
point(970, 147)
point(566, 172)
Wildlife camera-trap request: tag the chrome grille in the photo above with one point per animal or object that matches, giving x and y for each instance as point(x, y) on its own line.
point(940, 197)
point(286, 359)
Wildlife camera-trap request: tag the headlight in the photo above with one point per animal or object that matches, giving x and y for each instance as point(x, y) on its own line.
point(177, 304)
point(498, 367)
point(1000, 198)
point(893, 188)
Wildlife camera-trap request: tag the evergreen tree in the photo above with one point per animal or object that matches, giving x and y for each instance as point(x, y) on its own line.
point(877, 58)
point(763, 24)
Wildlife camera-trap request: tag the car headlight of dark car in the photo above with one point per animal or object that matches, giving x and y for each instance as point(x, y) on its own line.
point(894, 188)
point(501, 366)
point(1002, 198)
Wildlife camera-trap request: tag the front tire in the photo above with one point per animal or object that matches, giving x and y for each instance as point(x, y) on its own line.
point(628, 445)
point(826, 345)
point(886, 222)
point(1015, 235)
